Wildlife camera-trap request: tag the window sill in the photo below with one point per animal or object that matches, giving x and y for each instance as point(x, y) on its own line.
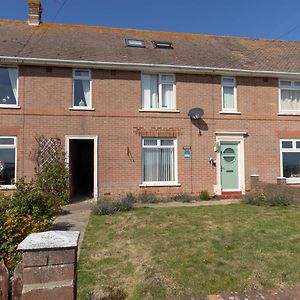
point(7, 187)
point(159, 110)
point(158, 184)
point(82, 108)
point(230, 112)
point(10, 106)
point(289, 113)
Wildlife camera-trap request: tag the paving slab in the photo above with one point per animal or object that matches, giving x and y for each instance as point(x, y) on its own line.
point(75, 217)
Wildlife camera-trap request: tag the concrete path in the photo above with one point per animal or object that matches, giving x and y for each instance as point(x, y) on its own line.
point(188, 204)
point(75, 216)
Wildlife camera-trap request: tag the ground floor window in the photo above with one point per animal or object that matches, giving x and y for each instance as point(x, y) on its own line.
point(7, 161)
point(290, 160)
point(159, 163)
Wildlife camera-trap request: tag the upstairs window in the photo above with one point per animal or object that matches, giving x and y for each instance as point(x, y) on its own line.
point(158, 91)
point(229, 94)
point(289, 95)
point(8, 86)
point(82, 88)
point(7, 161)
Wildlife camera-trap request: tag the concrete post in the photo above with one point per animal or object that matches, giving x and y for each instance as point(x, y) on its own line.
point(49, 262)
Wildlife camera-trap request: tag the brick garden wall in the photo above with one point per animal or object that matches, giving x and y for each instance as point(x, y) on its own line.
point(45, 96)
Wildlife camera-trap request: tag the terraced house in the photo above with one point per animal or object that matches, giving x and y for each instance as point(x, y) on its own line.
point(145, 111)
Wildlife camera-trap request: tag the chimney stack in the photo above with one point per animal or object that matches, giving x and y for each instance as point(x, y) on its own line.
point(34, 12)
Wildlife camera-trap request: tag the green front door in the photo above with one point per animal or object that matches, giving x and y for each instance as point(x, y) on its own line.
point(229, 166)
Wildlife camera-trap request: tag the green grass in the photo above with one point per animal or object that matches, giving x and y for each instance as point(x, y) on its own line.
point(173, 252)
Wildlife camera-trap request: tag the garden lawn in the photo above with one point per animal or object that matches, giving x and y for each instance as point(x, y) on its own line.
point(174, 252)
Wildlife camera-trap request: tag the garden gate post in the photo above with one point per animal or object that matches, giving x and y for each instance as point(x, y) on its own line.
point(49, 262)
point(4, 281)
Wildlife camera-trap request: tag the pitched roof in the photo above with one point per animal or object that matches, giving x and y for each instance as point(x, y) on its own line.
point(103, 44)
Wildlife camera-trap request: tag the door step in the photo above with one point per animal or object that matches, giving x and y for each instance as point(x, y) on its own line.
point(230, 195)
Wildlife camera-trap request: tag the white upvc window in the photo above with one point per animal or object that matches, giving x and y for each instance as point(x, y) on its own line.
point(229, 101)
point(158, 91)
point(289, 96)
point(7, 161)
point(159, 163)
point(82, 86)
point(290, 160)
point(8, 87)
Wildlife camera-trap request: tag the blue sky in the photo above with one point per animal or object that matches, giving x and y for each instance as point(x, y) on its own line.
point(276, 19)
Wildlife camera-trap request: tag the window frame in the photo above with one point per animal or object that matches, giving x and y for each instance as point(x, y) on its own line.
point(14, 146)
point(160, 83)
point(294, 149)
point(17, 98)
point(233, 85)
point(292, 87)
point(160, 183)
point(77, 107)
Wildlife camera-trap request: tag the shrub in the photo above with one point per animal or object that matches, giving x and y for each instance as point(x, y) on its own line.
point(267, 198)
point(109, 206)
point(183, 198)
point(204, 195)
point(148, 198)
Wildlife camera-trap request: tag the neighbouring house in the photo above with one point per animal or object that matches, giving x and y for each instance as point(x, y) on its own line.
point(146, 111)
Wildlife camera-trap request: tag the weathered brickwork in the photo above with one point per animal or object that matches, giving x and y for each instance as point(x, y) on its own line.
point(45, 96)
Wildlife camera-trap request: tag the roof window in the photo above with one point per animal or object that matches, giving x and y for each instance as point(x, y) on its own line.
point(135, 43)
point(162, 44)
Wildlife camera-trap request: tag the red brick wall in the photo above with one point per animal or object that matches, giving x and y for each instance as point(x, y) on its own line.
point(45, 98)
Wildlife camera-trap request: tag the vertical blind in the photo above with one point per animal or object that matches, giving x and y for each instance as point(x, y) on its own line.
point(159, 161)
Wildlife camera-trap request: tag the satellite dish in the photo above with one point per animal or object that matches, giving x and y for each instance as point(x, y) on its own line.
point(196, 113)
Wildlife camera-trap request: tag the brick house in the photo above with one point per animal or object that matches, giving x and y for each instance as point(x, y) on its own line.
point(145, 111)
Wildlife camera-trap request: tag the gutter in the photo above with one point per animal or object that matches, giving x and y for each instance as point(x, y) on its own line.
point(143, 67)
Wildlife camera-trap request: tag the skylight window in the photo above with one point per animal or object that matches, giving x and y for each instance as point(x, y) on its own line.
point(162, 44)
point(135, 43)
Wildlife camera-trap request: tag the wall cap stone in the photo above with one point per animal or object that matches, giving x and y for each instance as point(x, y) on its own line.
point(55, 239)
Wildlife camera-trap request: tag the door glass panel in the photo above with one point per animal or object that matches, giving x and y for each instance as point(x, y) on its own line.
point(229, 158)
point(228, 150)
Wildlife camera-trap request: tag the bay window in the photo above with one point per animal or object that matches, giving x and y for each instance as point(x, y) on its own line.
point(7, 161)
point(159, 160)
point(82, 88)
point(8, 86)
point(158, 91)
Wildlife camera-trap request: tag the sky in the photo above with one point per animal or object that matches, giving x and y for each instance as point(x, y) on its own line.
point(272, 19)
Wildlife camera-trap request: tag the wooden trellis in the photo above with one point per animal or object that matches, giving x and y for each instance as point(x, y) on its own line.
point(49, 150)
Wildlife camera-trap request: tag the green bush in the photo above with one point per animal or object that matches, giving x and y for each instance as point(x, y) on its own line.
point(183, 198)
point(32, 206)
point(204, 195)
point(267, 198)
point(147, 198)
point(109, 206)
